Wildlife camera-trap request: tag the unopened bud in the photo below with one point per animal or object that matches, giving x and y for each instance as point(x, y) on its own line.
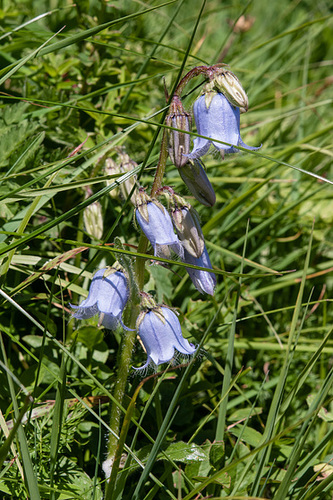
point(127, 165)
point(112, 168)
point(186, 222)
point(179, 142)
point(195, 178)
point(93, 220)
point(227, 83)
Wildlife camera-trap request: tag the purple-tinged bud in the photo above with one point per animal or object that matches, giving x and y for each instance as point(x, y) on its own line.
point(108, 295)
point(195, 178)
point(179, 142)
point(160, 332)
point(93, 220)
point(186, 222)
point(227, 83)
point(156, 224)
point(204, 281)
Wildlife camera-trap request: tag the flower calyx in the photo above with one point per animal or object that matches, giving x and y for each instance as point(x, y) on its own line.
point(228, 84)
point(142, 200)
point(148, 304)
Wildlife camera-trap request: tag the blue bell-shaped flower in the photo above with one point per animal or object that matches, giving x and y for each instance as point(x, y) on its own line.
point(160, 332)
point(156, 223)
point(216, 118)
point(108, 295)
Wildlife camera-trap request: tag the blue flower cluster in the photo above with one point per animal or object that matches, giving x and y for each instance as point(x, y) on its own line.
point(174, 226)
point(158, 326)
point(188, 243)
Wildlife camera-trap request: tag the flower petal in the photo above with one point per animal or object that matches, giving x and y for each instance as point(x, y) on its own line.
point(113, 294)
point(204, 281)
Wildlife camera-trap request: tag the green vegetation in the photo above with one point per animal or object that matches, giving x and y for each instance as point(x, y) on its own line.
point(249, 417)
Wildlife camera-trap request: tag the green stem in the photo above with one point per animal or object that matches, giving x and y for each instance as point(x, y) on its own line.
point(124, 362)
point(160, 169)
point(198, 70)
point(124, 366)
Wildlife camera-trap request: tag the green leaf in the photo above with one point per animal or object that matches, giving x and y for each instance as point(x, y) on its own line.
point(90, 336)
point(216, 454)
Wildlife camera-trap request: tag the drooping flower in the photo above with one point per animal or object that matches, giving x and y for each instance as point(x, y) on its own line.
point(204, 281)
point(195, 178)
point(108, 295)
point(156, 223)
point(161, 334)
point(219, 120)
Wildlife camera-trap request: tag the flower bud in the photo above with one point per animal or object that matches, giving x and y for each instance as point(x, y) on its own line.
point(186, 222)
point(127, 165)
point(179, 142)
point(93, 220)
point(123, 165)
point(227, 83)
point(197, 182)
point(112, 168)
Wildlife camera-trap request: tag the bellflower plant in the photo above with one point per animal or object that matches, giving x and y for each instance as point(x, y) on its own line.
point(204, 281)
point(160, 332)
point(108, 295)
point(216, 118)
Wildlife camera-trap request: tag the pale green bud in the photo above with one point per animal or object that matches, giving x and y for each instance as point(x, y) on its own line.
point(112, 168)
point(127, 165)
point(93, 220)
